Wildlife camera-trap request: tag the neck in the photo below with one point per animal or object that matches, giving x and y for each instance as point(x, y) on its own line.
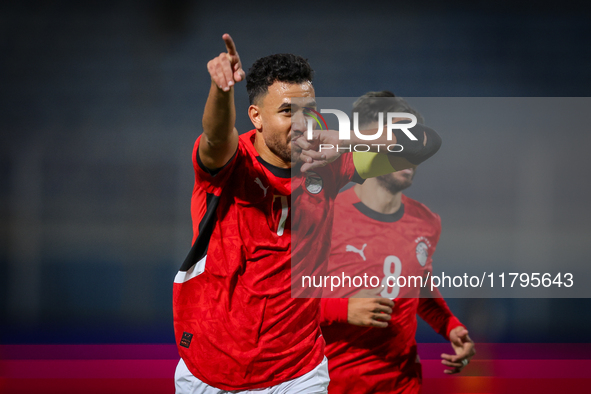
point(266, 154)
point(378, 198)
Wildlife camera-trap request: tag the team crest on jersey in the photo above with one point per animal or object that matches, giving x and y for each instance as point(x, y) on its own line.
point(422, 250)
point(313, 182)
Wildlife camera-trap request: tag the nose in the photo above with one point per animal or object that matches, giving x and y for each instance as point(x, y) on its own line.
point(298, 122)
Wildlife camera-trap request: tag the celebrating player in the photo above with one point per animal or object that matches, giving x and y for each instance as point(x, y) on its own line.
point(236, 325)
point(378, 231)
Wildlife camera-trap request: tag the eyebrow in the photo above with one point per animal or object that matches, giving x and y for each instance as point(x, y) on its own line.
point(310, 104)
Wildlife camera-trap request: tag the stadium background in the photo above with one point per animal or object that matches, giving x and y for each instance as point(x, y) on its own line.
point(101, 103)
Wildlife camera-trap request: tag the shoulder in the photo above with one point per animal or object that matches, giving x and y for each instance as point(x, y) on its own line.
point(344, 160)
point(242, 160)
point(246, 152)
point(246, 142)
point(247, 137)
point(420, 211)
point(344, 170)
point(347, 197)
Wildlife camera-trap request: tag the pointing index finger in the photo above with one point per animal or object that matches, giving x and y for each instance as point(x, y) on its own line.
point(230, 46)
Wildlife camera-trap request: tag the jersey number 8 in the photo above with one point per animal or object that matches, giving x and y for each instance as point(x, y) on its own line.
point(392, 270)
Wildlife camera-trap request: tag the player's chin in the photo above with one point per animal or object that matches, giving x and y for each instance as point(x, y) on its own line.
point(405, 183)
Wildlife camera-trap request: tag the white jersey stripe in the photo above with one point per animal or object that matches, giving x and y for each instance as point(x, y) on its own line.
point(195, 270)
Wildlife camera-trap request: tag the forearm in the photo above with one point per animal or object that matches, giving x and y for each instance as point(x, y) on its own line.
point(381, 155)
point(219, 115)
point(437, 314)
point(220, 137)
point(398, 143)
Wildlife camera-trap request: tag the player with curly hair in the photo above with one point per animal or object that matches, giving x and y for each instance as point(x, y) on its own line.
point(237, 326)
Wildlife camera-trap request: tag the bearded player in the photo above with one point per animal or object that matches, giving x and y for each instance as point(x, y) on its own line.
point(378, 231)
point(237, 327)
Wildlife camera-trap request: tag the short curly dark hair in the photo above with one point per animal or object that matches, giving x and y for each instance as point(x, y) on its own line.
point(282, 67)
point(371, 104)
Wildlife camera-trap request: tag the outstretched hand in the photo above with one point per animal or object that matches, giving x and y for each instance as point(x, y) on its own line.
point(464, 348)
point(225, 70)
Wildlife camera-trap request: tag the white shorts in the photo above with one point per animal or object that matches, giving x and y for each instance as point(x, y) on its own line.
point(314, 382)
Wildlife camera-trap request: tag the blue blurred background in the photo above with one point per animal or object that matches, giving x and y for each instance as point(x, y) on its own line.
point(101, 103)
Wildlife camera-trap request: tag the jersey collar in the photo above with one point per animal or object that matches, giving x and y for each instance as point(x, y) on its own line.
point(380, 217)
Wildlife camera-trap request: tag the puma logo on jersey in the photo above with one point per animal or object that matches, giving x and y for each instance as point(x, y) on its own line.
point(351, 248)
point(260, 183)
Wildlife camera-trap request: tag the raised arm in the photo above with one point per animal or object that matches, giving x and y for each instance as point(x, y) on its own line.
point(220, 138)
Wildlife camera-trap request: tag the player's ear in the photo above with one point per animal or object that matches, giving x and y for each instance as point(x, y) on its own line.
point(254, 113)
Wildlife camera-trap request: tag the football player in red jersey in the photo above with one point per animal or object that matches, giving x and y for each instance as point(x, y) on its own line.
point(378, 231)
point(237, 327)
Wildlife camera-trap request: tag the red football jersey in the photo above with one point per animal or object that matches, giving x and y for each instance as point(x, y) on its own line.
point(381, 360)
point(236, 324)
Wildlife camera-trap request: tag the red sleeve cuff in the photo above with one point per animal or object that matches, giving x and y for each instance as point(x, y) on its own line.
point(452, 323)
point(334, 310)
